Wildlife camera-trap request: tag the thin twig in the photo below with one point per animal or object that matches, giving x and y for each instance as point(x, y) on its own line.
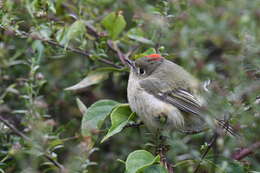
point(56, 163)
point(21, 134)
point(14, 129)
point(161, 149)
point(23, 34)
point(246, 151)
point(113, 45)
point(212, 141)
point(131, 51)
point(93, 31)
point(134, 124)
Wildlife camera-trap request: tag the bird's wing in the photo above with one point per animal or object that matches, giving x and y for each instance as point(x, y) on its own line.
point(194, 121)
point(179, 97)
point(183, 100)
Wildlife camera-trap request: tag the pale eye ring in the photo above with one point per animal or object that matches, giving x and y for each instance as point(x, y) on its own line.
point(141, 71)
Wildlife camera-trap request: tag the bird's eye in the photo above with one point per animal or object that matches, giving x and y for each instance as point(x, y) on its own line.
point(141, 71)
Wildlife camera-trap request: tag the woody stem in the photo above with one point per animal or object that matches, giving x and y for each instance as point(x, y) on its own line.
point(161, 150)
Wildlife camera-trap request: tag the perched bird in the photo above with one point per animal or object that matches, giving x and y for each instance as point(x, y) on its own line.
point(167, 97)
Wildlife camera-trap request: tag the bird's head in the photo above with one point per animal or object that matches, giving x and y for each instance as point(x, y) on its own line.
point(145, 66)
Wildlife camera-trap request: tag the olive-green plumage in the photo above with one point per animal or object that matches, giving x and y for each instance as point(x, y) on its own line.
point(165, 96)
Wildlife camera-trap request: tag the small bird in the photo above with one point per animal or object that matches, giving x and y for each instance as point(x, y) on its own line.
point(167, 97)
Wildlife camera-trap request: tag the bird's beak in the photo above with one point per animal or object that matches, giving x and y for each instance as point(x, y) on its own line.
point(130, 63)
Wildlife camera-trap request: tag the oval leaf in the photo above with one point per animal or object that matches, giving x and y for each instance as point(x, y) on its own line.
point(114, 24)
point(94, 77)
point(155, 169)
point(139, 160)
point(141, 39)
point(120, 117)
point(91, 79)
point(81, 106)
point(205, 165)
point(147, 52)
point(95, 116)
point(74, 31)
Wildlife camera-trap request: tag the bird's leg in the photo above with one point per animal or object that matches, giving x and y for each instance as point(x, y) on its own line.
point(161, 150)
point(160, 147)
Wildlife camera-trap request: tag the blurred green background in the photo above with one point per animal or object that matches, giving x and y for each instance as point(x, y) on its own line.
point(43, 48)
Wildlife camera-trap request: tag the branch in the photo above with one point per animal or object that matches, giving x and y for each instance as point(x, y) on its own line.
point(133, 125)
point(14, 129)
point(246, 151)
point(124, 57)
point(212, 141)
point(23, 34)
point(162, 150)
point(115, 48)
point(93, 31)
point(21, 134)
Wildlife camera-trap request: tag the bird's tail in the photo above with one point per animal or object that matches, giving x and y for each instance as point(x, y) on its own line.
point(226, 127)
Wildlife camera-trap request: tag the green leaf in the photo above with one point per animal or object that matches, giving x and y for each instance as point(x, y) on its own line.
point(208, 164)
point(95, 115)
point(34, 151)
point(114, 24)
point(185, 162)
point(76, 30)
point(82, 107)
point(155, 169)
point(141, 39)
point(93, 78)
point(120, 116)
point(38, 47)
point(147, 52)
point(137, 34)
point(139, 160)
point(51, 6)
point(110, 69)
point(55, 144)
point(60, 35)
point(230, 166)
point(45, 31)
point(205, 164)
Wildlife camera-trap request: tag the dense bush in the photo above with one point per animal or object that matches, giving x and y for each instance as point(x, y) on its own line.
point(48, 46)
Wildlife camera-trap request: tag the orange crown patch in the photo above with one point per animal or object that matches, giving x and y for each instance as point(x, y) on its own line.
point(154, 57)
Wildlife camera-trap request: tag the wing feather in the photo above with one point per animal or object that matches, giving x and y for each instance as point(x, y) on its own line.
point(178, 97)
